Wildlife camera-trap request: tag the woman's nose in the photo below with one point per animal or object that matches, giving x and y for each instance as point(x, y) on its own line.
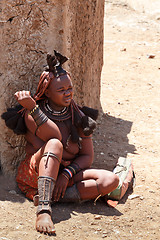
point(67, 92)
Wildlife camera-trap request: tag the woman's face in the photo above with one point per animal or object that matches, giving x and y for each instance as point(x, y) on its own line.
point(60, 92)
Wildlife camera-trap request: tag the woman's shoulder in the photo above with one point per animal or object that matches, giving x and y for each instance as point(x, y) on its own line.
point(82, 135)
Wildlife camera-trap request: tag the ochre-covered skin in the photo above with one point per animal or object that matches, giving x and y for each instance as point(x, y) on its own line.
point(53, 136)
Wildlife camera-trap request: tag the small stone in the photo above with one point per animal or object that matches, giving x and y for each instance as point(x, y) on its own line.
point(123, 49)
point(104, 235)
point(97, 217)
point(61, 31)
point(138, 186)
point(93, 223)
point(133, 196)
point(116, 231)
point(99, 229)
point(39, 236)
point(151, 56)
point(75, 213)
point(115, 217)
point(151, 191)
point(13, 192)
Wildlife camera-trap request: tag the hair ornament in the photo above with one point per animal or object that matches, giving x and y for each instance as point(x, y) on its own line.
point(55, 63)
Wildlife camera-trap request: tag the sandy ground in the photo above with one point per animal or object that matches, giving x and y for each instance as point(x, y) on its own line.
point(129, 127)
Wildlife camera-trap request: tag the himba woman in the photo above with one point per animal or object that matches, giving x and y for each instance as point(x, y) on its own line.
point(59, 150)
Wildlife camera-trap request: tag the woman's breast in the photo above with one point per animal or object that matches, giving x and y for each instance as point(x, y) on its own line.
point(70, 149)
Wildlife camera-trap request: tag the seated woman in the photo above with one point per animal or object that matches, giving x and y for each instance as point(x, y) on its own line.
point(59, 150)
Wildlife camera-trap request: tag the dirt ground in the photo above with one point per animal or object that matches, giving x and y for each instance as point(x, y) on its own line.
point(129, 127)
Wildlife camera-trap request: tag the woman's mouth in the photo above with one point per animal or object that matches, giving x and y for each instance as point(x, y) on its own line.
point(67, 100)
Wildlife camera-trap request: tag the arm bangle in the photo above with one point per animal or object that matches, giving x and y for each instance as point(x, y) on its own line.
point(38, 116)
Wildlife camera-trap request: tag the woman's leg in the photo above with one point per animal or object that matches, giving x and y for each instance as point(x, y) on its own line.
point(48, 159)
point(93, 182)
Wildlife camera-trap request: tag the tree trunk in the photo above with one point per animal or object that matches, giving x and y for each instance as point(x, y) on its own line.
point(31, 29)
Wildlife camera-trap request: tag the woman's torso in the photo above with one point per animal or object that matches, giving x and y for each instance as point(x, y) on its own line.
point(70, 149)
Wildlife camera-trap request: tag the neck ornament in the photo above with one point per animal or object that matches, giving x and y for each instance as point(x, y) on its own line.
point(54, 115)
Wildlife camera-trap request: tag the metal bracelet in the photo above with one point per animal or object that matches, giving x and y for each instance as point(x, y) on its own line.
point(38, 116)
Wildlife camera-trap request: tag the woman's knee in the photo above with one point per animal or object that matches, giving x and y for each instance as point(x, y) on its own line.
point(115, 180)
point(54, 145)
point(107, 182)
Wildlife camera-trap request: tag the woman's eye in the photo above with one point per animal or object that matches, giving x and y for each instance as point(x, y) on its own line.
point(62, 90)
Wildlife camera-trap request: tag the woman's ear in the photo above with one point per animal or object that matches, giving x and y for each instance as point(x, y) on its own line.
point(47, 93)
point(45, 86)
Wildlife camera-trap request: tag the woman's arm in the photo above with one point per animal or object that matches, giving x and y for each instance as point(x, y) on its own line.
point(45, 131)
point(86, 154)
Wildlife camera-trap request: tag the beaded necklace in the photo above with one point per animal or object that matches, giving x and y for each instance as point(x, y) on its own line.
point(56, 113)
point(62, 115)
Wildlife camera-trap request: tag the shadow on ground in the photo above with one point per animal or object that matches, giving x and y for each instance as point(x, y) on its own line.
point(68, 209)
point(9, 190)
point(111, 141)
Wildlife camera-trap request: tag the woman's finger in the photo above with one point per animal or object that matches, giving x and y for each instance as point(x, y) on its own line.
point(59, 194)
point(63, 191)
point(55, 193)
point(24, 93)
point(16, 95)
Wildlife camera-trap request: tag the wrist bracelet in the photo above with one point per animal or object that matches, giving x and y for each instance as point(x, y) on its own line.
point(33, 110)
point(72, 169)
point(68, 171)
point(65, 176)
point(38, 116)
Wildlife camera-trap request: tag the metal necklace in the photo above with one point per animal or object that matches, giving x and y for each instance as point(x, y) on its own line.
point(62, 115)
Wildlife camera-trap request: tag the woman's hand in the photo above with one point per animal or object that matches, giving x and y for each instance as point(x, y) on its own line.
point(25, 100)
point(60, 187)
point(65, 163)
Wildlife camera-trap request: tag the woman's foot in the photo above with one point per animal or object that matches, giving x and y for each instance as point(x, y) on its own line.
point(44, 223)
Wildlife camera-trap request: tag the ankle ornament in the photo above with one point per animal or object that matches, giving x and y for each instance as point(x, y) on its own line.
point(45, 190)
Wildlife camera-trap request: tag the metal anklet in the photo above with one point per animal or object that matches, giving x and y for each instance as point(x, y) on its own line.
point(45, 190)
